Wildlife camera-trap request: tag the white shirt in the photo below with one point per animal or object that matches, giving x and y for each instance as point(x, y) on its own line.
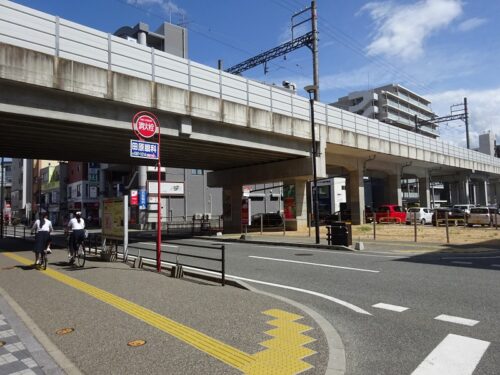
point(46, 227)
point(74, 224)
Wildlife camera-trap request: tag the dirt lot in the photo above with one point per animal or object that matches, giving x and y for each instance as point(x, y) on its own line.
point(428, 234)
point(425, 234)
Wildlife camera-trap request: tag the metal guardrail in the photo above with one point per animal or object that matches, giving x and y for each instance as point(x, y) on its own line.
point(24, 27)
point(221, 259)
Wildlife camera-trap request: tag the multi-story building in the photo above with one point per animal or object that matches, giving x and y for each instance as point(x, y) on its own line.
point(53, 192)
point(83, 190)
point(6, 186)
point(22, 188)
point(392, 104)
point(400, 107)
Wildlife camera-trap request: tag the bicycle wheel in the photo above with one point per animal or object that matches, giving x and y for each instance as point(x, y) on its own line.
point(80, 255)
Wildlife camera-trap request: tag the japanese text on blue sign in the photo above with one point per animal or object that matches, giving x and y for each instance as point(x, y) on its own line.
point(144, 150)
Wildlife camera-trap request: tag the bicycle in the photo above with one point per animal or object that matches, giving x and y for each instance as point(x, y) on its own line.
point(80, 255)
point(44, 260)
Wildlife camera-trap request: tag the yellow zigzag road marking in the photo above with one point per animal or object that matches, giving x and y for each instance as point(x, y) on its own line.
point(283, 355)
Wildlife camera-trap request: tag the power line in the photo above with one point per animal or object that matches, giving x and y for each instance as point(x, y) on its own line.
point(206, 35)
point(351, 43)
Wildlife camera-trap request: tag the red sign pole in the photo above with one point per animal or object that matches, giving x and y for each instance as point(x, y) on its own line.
point(145, 125)
point(158, 229)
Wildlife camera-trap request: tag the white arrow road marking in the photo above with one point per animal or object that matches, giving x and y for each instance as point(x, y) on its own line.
point(313, 264)
point(457, 355)
point(387, 306)
point(460, 262)
point(457, 320)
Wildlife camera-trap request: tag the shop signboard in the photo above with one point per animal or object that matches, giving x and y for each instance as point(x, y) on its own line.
point(112, 223)
point(289, 205)
point(143, 199)
point(134, 198)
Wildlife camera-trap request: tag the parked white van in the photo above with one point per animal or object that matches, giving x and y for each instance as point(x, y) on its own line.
point(479, 216)
point(423, 214)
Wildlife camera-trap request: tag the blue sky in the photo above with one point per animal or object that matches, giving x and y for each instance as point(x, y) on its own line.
point(442, 49)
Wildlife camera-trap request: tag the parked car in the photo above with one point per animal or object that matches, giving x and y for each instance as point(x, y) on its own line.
point(480, 216)
point(390, 213)
point(345, 215)
point(269, 219)
point(455, 215)
point(495, 215)
point(464, 207)
point(423, 215)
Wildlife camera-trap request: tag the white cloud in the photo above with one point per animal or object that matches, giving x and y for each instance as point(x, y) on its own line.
point(483, 108)
point(471, 24)
point(403, 29)
point(168, 6)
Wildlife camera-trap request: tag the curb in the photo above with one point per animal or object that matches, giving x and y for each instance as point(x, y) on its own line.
point(275, 243)
point(336, 351)
point(43, 350)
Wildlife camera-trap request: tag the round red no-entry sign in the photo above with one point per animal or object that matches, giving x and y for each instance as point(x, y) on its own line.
point(145, 125)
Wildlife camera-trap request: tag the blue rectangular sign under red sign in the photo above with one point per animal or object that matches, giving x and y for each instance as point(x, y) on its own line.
point(144, 150)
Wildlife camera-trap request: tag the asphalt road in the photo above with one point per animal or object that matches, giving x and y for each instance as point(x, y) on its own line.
point(384, 304)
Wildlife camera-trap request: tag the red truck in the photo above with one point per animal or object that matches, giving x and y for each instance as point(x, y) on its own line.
point(390, 213)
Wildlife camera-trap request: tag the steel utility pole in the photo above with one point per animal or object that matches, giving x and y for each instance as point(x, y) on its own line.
point(311, 90)
point(466, 113)
point(309, 40)
point(314, 21)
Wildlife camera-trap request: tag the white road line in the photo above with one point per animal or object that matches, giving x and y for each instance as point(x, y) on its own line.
point(300, 249)
point(472, 257)
point(460, 262)
point(457, 355)
point(321, 295)
point(387, 306)
point(457, 320)
point(495, 265)
point(314, 264)
point(153, 243)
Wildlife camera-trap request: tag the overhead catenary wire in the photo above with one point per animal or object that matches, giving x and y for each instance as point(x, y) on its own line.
point(351, 43)
point(208, 36)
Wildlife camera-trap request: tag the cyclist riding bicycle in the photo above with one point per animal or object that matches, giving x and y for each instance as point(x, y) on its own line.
point(42, 228)
point(77, 227)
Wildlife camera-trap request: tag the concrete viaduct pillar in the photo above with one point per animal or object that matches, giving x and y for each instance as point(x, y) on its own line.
point(356, 195)
point(424, 191)
point(393, 189)
point(294, 172)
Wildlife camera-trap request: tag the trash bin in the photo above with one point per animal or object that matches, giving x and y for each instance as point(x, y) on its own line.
point(339, 233)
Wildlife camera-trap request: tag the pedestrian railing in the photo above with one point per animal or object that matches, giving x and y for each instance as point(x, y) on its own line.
point(182, 257)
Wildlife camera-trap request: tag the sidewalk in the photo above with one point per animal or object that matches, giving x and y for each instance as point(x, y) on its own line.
point(20, 353)
point(302, 240)
point(188, 326)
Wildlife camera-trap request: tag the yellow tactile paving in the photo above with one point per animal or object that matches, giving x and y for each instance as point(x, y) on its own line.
point(283, 355)
point(285, 350)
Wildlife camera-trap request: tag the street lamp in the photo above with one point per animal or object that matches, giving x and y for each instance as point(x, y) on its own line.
point(312, 91)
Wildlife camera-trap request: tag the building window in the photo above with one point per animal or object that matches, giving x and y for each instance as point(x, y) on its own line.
point(197, 171)
point(78, 190)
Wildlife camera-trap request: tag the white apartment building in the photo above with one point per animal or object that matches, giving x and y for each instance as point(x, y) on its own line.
point(392, 104)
